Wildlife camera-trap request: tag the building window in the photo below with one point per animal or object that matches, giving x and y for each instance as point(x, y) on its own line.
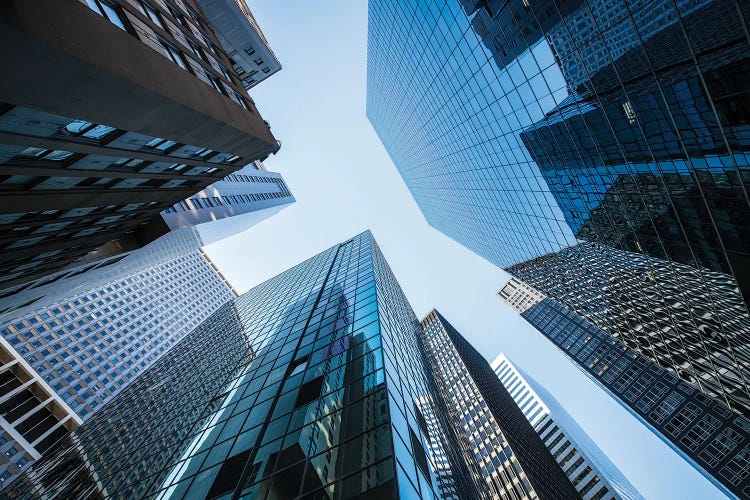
point(198, 50)
point(82, 128)
point(56, 155)
point(151, 13)
point(108, 11)
point(174, 54)
point(159, 144)
point(216, 83)
point(203, 152)
point(178, 15)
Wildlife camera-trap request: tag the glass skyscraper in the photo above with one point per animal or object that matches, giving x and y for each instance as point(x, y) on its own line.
point(314, 383)
point(710, 436)
point(690, 321)
point(524, 128)
point(513, 460)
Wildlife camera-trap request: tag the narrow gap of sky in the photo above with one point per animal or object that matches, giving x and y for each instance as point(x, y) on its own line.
point(345, 183)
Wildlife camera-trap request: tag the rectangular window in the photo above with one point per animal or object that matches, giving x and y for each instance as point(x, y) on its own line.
point(174, 54)
point(151, 13)
point(108, 11)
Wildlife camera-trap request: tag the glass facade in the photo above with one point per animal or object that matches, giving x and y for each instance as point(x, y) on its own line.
point(311, 384)
point(692, 322)
point(525, 128)
point(512, 459)
point(705, 432)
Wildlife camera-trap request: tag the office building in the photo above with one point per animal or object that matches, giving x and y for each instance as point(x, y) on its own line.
point(251, 189)
point(86, 337)
point(513, 460)
point(595, 477)
point(114, 112)
point(692, 322)
point(241, 37)
point(312, 383)
point(450, 118)
point(525, 128)
point(645, 163)
point(705, 432)
point(550, 123)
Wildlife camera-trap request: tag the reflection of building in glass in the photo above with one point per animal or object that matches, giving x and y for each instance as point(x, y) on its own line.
point(312, 383)
point(524, 128)
point(690, 321)
point(646, 164)
point(87, 336)
point(705, 432)
point(450, 118)
point(508, 29)
point(593, 474)
point(144, 110)
point(512, 458)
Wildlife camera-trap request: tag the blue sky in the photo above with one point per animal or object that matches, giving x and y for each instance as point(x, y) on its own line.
point(345, 183)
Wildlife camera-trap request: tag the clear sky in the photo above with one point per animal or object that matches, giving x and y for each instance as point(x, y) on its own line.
point(345, 183)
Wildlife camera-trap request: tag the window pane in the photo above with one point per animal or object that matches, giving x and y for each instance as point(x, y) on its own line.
point(58, 155)
point(78, 126)
point(99, 131)
point(113, 16)
point(32, 152)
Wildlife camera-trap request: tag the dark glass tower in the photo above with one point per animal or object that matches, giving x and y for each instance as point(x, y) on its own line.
point(115, 110)
point(314, 383)
point(513, 460)
point(524, 128)
point(715, 440)
point(691, 322)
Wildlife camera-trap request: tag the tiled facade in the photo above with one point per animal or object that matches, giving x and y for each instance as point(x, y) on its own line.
point(316, 385)
point(144, 110)
point(88, 338)
point(512, 459)
point(705, 432)
point(589, 470)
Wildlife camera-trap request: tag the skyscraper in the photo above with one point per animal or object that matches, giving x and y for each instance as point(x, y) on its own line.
point(250, 190)
point(314, 382)
point(588, 468)
point(513, 460)
point(710, 436)
point(525, 128)
point(114, 111)
point(86, 337)
point(239, 34)
point(689, 321)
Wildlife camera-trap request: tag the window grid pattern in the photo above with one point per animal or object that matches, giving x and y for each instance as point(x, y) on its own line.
point(307, 385)
point(524, 128)
point(690, 422)
point(542, 418)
